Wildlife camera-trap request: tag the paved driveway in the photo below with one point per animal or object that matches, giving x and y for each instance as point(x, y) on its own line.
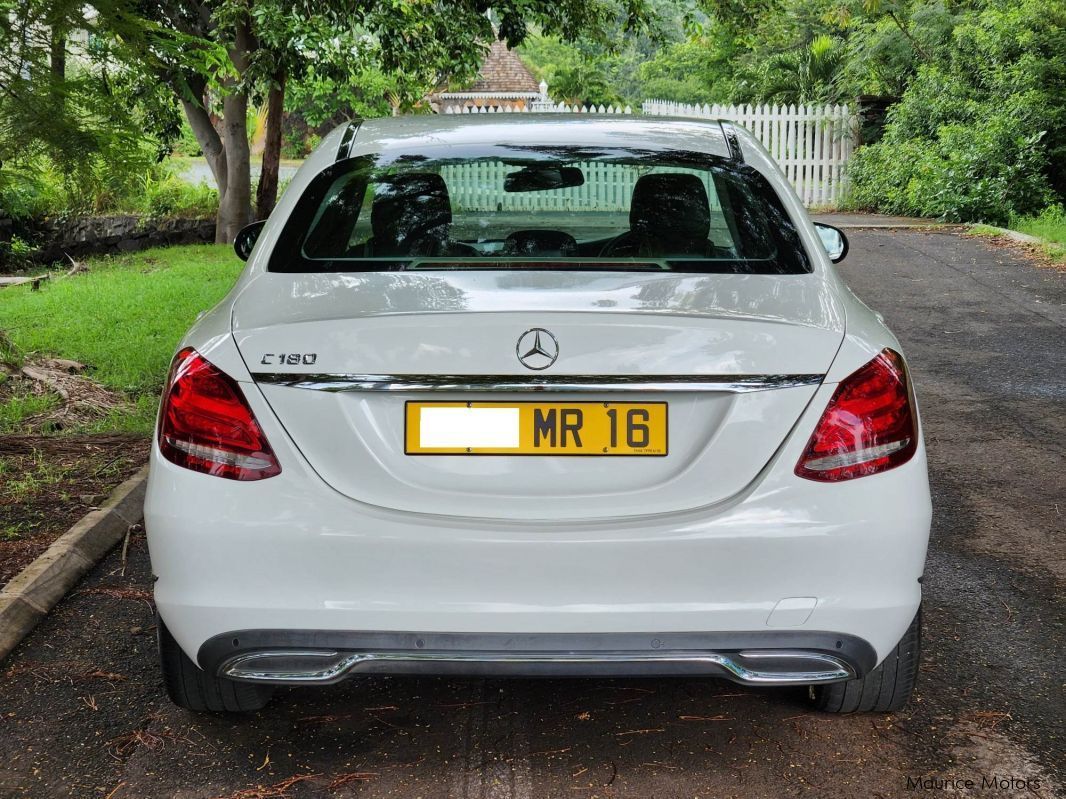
point(82, 713)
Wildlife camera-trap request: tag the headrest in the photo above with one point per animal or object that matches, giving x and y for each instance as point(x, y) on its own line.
point(670, 205)
point(409, 207)
point(540, 242)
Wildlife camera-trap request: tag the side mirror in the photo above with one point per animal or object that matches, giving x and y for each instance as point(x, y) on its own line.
point(834, 241)
point(245, 240)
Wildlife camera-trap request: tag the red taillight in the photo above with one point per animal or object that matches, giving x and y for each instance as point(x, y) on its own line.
point(205, 423)
point(868, 427)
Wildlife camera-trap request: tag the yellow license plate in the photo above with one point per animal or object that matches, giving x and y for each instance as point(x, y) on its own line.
point(535, 428)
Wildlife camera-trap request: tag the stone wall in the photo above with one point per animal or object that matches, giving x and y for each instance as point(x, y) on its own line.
point(78, 237)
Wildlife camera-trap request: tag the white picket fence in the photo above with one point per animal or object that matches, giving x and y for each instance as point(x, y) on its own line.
point(812, 144)
point(541, 108)
point(608, 188)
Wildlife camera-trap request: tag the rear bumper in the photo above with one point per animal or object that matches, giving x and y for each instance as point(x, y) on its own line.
point(785, 555)
point(291, 554)
point(324, 657)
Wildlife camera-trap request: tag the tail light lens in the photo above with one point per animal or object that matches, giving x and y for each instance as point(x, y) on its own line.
point(868, 427)
point(206, 425)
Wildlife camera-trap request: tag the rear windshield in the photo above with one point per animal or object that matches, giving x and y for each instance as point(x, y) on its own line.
point(550, 208)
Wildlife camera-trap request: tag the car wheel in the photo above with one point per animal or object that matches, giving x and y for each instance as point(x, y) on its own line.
point(192, 688)
point(886, 688)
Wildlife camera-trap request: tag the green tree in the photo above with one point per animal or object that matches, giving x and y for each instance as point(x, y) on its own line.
point(218, 56)
point(884, 52)
point(696, 70)
point(605, 68)
point(576, 73)
point(811, 73)
point(980, 132)
point(64, 109)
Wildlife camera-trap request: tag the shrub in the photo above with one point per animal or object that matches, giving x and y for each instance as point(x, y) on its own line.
point(167, 195)
point(28, 190)
point(37, 190)
point(969, 172)
point(293, 144)
point(980, 133)
point(14, 255)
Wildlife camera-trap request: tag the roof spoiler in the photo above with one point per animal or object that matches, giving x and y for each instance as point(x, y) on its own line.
point(732, 141)
point(345, 150)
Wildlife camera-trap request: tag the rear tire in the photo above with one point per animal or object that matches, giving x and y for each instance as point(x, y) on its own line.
point(192, 688)
point(886, 688)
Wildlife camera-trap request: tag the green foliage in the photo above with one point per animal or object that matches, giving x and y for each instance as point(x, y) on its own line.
point(16, 254)
point(789, 51)
point(185, 144)
point(36, 177)
point(31, 189)
point(692, 71)
point(979, 135)
point(1050, 225)
point(20, 403)
point(101, 119)
point(609, 68)
point(885, 50)
point(123, 318)
point(809, 73)
point(294, 144)
point(320, 97)
point(167, 195)
point(39, 190)
point(966, 173)
point(93, 123)
point(575, 75)
point(76, 136)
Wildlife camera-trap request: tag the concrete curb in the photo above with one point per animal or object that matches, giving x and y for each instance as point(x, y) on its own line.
point(931, 225)
point(846, 221)
point(1013, 235)
point(38, 588)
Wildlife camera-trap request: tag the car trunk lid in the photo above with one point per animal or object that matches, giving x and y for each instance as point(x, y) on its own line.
point(339, 356)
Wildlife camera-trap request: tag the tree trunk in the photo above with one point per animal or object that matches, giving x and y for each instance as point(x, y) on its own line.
point(210, 142)
point(58, 54)
point(235, 204)
point(267, 195)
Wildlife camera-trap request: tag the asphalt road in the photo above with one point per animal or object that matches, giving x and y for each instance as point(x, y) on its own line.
point(82, 712)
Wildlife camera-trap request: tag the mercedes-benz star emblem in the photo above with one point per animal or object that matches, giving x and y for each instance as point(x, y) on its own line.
point(537, 349)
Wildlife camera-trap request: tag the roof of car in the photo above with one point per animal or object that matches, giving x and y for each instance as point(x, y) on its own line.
point(411, 133)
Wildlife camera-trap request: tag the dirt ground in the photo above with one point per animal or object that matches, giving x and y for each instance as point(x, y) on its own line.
point(82, 712)
point(49, 482)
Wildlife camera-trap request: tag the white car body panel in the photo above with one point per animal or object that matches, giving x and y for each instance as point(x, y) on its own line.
point(607, 324)
point(355, 536)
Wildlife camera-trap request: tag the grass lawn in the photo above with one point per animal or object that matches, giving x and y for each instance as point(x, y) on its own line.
point(123, 319)
point(1049, 226)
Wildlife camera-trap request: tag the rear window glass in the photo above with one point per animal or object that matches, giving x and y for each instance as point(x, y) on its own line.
point(558, 208)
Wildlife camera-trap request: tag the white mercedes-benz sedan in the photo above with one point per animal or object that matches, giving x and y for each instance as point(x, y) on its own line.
point(539, 395)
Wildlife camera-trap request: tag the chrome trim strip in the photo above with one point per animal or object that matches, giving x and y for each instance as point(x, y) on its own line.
point(733, 384)
point(822, 668)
